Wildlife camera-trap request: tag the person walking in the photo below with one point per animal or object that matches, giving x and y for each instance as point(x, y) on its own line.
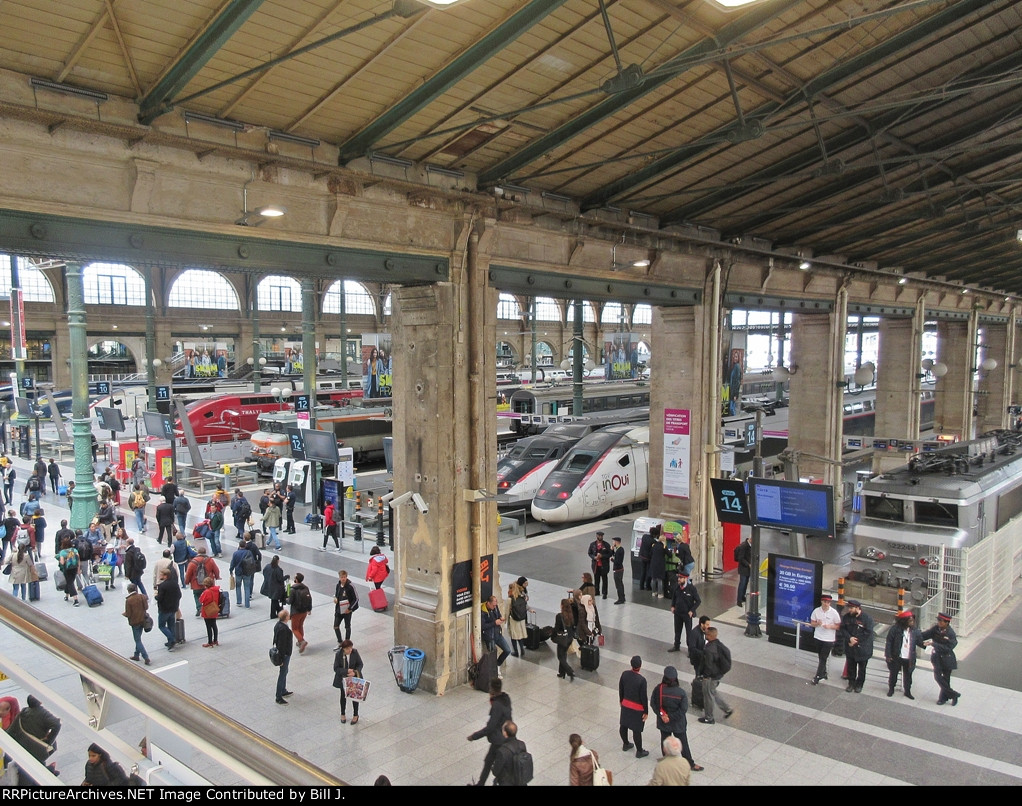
point(670, 704)
point(273, 585)
point(243, 568)
point(271, 522)
point(300, 601)
point(135, 606)
point(137, 503)
point(617, 568)
point(634, 701)
point(22, 570)
point(588, 620)
point(658, 565)
point(581, 762)
point(716, 664)
point(53, 471)
point(241, 511)
point(209, 605)
point(900, 648)
point(68, 563)
point(825, 622)
point(505, 771)
point(169, 490)
point(685, 602)
point(283, 640)
point(743, 556)
point(345, 603)
point(183, 553)
point(347, 664)
point(599, 554)
point(182, 506)
point(168, 600)
point(378, 568)
point(134, 565)
point(564, 634)
point(857, 632)
point(216, 527)
point(330, 526)
point(290, 499)
point(165, 521)
point(943, 640)
point(500, 712)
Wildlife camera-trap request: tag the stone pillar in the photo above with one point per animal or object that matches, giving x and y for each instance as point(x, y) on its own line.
point(83, 505)
point(815, 414)
point(444, 448)
point(956, 342)
point(993, 393)
point(150, 338)
point(897, 390)
point(682, 334)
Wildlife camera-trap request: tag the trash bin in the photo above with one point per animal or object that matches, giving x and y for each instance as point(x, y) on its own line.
point(414, 659)
point(397, 664)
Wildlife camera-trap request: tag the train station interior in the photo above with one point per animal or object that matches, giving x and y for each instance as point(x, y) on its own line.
point(526, 185)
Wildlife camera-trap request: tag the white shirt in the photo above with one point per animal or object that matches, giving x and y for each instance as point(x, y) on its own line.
point(825, 617)
point(906, 645)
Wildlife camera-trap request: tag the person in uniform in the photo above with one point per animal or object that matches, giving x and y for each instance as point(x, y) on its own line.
point(634, 701)
point(599, 554)
point(943, 640)
point(685, 602)
point(903, 640)
point(857, 634)
point(617, 561)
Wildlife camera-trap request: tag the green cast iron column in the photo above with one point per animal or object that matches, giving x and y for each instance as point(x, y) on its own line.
point(84, 505)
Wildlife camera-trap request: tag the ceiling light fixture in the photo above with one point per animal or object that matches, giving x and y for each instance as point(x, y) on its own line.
point(43, 84)
point(805, 265)
point(902, 280)
point(253, 218)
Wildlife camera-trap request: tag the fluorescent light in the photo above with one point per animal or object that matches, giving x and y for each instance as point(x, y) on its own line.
point(902, 281)
point(214, 121)
point(731, 5)
point(312, 142)
point(272, 211)
point(640, 264)
point(43, 84)
point(805, 265)
point(375, 157)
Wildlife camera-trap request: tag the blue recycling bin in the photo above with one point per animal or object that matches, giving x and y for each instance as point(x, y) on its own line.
point(414, 660)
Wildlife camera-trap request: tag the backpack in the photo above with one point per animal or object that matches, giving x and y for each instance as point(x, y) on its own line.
point(33, 484)
point(249, 565)
point(519, 609)
point(114, 484)
point(140, 561)
point(736, 552)
point(137, 499)
point(24, 538)
point(71, 558)
point(521, 767)
point(244, 510)
point(84, 549)
point(200, 572)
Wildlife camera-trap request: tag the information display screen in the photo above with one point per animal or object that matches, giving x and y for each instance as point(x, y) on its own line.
point(793, 592)
point(792, 505)
point(158, 425)
point(109, 419)
point(730, 500)
point(320, 446)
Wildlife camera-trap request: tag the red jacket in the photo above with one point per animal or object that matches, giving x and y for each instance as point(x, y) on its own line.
point(328, 515)
point(377, 570)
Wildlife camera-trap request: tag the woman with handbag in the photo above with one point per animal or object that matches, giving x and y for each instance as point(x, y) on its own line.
point(588, 621)
point(670, 704)
point(519, 611)
point(564, 634)
point(581, 763)
point(347, 664)
point(273, 587)
point(21, 569)
point(209, 606)
point(345, 603)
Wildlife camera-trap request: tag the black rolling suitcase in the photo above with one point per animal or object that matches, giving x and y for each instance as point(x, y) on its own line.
point(696, 701)
point(179, 631)
point(485, 670)
point(590, 657)
point(533, 637)
point(33, 591)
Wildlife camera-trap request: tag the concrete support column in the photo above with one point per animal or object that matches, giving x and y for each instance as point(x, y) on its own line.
point(956, 349)
point(84, 505)
point(897, 395)
point(150, 338)
point(445, 445)
point(815, 416)
point(993, 393)
point(681, 334)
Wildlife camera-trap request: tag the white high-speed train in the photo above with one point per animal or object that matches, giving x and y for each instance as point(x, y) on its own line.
point(604, 472)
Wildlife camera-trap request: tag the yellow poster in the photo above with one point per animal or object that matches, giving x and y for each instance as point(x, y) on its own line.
point(167, 467)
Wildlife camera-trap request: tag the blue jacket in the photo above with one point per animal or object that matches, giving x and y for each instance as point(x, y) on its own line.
point(490, 628)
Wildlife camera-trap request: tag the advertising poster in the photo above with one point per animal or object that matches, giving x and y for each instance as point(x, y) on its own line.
point(677, 452)
point(731, 388)
point(376, 365)
point(793, 591)
point(461, 583)
point(621, 356)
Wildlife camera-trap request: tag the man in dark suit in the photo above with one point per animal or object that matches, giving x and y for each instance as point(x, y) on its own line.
point(599, 553)
point(500, 712)
point(617, 562)
point(283, 639)
point(685, 603)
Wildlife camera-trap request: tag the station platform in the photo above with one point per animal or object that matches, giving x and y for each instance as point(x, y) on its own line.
point(784, 732)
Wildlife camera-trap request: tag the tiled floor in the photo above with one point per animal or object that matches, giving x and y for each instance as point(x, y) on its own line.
point(783, 732)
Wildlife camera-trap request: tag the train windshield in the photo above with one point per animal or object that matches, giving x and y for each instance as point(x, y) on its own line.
point(888, 509)
point(936, 514)
point(272, 426)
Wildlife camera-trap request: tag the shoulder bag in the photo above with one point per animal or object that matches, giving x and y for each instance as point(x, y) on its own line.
point(275, 657)
point(147, 623)
point(601, 777)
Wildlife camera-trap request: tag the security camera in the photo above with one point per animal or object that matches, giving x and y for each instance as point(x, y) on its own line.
point(420, 504)
point(404, 498)
point(386, 497)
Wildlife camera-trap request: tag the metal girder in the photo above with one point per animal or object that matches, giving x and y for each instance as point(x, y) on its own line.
point(39, 234)
point(765, 302)
point(572, 286)
point(821, 83)
point(360, 143)
point(754, 19)
point(880, 309)
point(191, 61)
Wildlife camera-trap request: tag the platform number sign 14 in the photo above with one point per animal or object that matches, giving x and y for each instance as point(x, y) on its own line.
point(730, 500)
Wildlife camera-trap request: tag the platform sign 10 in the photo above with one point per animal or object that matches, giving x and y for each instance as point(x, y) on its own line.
point(730, 501)
point(102, 388)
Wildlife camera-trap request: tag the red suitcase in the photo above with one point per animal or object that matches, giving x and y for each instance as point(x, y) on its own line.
point(378, 600)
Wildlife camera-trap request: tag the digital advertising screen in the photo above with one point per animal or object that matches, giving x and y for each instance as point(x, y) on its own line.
point(792, 505)
point(297, 442)
point(794, 585)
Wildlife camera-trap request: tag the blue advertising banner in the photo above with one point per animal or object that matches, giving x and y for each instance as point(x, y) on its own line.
point(794, 585)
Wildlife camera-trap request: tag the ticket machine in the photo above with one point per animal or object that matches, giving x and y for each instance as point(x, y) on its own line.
point(122, 454)
point(282, 470)
point(300, 478)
